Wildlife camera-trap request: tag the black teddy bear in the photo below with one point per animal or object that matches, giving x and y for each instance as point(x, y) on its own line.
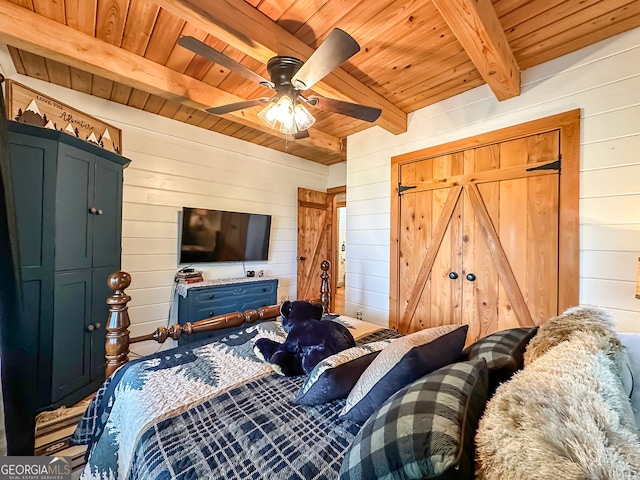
point(309, 339)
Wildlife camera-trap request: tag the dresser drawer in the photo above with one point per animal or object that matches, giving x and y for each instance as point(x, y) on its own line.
point(211, 295)
point(200, 312)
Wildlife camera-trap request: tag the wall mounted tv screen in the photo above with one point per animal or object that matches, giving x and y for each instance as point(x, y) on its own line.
point(210, 236)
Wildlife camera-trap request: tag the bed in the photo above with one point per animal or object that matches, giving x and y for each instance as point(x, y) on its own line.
point(210, 409)
point(425, 406)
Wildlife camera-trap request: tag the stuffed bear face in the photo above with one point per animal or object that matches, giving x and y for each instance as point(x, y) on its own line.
point(299, 310)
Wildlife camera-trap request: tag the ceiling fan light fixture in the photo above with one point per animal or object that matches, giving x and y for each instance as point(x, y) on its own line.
point(288, 130)
point(303, 118)
point(284, 114)
point(268, 115)
point(285, 117)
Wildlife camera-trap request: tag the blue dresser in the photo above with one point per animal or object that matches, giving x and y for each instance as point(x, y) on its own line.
point(226, 296)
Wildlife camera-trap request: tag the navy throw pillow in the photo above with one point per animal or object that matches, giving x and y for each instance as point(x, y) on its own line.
point(405, 360)
point(335, 376)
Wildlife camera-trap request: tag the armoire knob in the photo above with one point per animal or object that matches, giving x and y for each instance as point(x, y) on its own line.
point(453, 275)
point(90, 328)
point(471, 277)
point(93, 210)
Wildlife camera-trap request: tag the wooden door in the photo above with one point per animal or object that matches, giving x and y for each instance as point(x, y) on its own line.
point(431, 248)
point(479, 237)
point(511, 227)
point(315, 242)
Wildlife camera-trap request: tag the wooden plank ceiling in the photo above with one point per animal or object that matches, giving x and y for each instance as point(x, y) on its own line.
point(413, 53)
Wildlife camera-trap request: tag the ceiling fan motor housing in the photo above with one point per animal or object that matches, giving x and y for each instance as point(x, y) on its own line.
point(281, 69)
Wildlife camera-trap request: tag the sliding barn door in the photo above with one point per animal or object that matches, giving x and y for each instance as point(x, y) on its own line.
point(478, 237)
point(314, 240)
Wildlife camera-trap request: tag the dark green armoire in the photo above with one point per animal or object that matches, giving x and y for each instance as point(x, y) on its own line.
point(68, 198)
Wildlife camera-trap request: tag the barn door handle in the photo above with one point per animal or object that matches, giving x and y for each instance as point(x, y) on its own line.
point(453, 275)
point(471, 277)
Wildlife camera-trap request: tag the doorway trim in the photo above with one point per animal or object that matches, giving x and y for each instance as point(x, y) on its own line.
point(334, 192)
point(568, 124)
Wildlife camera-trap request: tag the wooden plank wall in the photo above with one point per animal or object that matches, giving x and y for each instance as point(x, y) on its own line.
point(604, 81)
point(175, 164)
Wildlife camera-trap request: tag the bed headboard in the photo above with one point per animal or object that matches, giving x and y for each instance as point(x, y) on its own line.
point(118, 340)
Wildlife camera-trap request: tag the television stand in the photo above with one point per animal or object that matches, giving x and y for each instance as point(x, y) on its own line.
point(201, 300)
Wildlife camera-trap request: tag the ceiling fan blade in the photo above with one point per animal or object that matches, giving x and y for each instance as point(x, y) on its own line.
point(355, 110)
point(215, 56)
point(232, 107)
point(336, 49)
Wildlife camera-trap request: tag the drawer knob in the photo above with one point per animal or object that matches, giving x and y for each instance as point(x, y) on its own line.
point(211, 314)
point(211, 295)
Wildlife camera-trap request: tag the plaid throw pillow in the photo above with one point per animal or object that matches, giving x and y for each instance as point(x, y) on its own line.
point(503, 352)
point(405, 360)
point(425, 430)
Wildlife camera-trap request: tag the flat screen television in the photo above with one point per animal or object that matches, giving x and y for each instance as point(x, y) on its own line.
point(211, 236)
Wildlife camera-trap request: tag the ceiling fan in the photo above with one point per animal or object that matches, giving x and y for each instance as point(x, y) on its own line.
point(290, 76)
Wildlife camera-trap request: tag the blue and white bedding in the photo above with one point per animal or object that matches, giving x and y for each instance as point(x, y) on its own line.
point(213, 410)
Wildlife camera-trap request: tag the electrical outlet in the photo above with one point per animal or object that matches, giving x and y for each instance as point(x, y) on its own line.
point(359, 314)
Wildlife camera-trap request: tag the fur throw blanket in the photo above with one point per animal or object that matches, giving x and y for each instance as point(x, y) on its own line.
point(565, 415)
point(577, 319)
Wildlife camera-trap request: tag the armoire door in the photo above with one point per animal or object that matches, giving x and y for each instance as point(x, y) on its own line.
point(74, 197)
point(71, 337)
point(478, 241)
point(314, 240)
point(33, 162)
point(100, 291)
point(107, 220)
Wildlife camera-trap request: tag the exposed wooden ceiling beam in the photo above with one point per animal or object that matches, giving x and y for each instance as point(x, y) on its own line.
point(34, 33)
point(477, 27)
point(247, 29)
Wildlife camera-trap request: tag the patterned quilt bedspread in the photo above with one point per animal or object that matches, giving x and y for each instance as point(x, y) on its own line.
point(213, 410)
